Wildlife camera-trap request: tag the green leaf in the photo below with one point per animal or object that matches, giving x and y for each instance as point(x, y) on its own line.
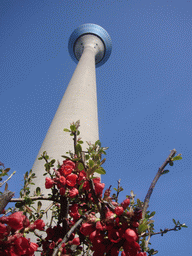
point(153, 252)
point(66, 130)
point(152, 214)
point(142, 228)
point(46, 157)
point(39, 204)
point(174, 222)
point(28, 201)
point(73, 128)
point(176, 158)
point(26, 175)
point(100, 171)
point(115, 189)
point(67, 157)
point(80, 211)
point(47, 167)
point(52, 162)
point(103, 161)
point(80, 166)
point(80, 187)
point(184, 226)
point(87, 157)
point(139, 203)
point(6, 186)
point(98, 143)
point(80, 142)
point(78, 149)
point(91, 163)
point(171, 163)
point(27, 193)
point(38, 191)
point(76, 159)
point(18, 205)
point(6, 170)
point(164, 172)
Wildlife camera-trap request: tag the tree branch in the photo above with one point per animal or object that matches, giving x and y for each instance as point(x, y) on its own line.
point(147, 198)
point(5, 199)
point(33, 198)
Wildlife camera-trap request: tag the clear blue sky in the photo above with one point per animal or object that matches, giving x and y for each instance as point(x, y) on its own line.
point(144, 95)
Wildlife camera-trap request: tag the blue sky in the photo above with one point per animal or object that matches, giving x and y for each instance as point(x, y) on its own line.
point(144, 95)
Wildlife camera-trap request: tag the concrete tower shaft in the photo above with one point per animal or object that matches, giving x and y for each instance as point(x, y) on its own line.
point(90, 46)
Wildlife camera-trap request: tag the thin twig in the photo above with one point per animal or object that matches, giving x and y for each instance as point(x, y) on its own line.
point(118, 190)
point(1, 184)
point(147, 198)
point(161, 232)
point(66, 237)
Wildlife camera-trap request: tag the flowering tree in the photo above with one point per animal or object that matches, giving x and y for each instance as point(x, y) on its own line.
point(88, 221)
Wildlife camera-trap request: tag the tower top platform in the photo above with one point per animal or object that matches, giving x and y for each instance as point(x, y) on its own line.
point(90, 29)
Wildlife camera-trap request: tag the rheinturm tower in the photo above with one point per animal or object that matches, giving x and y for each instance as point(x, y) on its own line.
point(90, 46)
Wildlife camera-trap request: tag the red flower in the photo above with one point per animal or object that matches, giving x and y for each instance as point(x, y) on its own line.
point(62, 180)
point(71, 180)
point(114, 235)
point(114, 251)
point(74, 208)
point(69, 163)
point(21, 245)
point(107, 193)
point(3, 228)
point(130, 235)
point(99, 188)
point(49, 183)
point(142, 254)
point(82, 175)
point(52, 245)
point(76, 241)
point(86, 229)
point(73, 192)
point(119, 210)
point(39, 224)
point(109, 215)
point(86, 185)
point(16, 220)
point(125, 203)
point(99, 226)
point(91, 218)
point(96, 180)
point(75, 216)
point(131, 248)
point(67, 167)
